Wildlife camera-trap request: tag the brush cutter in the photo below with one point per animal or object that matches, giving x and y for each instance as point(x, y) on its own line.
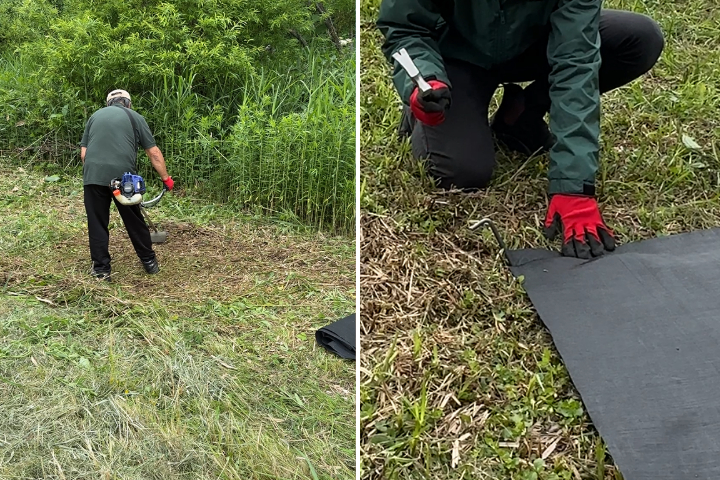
point(129, 190)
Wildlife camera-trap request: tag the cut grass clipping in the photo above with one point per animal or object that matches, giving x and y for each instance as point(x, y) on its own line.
point(207, 370)
point(459, 379)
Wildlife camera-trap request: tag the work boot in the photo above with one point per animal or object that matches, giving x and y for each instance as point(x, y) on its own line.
point(101, 275)
point(151, 266)
point(519, 128)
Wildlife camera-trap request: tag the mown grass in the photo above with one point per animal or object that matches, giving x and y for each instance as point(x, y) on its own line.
point(459, 379)
point(207, 370)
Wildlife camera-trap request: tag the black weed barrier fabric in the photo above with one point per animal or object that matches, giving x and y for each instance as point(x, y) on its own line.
point(339, 337)
point(639, 332)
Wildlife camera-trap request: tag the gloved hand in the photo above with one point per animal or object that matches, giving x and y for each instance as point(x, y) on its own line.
point(578, 219)
point(430, 108)
point(169, 183)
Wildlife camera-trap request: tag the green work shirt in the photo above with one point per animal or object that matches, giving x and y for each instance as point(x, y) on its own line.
point(111, 148)
point(488, 33)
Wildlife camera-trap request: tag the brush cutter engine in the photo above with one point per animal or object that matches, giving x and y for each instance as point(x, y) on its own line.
point(129, 189)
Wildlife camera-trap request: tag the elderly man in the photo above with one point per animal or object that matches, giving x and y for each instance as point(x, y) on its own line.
point(109, 149)
point(571, 50)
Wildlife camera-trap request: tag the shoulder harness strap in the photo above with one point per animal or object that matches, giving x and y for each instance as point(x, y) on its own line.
point(136, 132)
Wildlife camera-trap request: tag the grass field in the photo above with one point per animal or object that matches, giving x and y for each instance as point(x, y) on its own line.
point(208, 370)
point(459, 379)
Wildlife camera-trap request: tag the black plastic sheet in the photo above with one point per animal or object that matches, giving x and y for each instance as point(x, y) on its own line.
point(339, 337)
point(639, 332)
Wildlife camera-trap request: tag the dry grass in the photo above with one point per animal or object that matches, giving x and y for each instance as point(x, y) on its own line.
point(459, 379)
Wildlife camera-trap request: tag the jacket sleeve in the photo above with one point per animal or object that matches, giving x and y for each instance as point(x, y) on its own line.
point(415, 26)
point(574, 57)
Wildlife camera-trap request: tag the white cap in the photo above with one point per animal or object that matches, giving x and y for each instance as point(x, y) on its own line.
point(117, 94)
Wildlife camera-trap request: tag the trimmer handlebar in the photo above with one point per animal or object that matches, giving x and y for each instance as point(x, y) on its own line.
point(154, 201)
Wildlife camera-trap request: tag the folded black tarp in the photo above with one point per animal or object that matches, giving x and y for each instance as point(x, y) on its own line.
point(339, 337)
point(639, 332)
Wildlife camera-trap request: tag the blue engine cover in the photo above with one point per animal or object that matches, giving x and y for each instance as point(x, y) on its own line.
point(132, 184)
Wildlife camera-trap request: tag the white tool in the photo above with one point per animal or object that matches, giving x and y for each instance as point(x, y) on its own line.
point(403, 58)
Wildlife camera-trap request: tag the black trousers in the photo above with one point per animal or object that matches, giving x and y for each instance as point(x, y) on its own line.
point(460, 152)
point(97, 208)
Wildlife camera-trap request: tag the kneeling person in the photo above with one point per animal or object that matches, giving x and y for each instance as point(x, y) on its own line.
point(571, 50)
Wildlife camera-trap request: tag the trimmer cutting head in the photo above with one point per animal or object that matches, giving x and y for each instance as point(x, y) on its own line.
point(158, 237)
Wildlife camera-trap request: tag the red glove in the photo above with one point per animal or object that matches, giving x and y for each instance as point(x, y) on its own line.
point(430, 107)
point(578, 218)
point(169, 183)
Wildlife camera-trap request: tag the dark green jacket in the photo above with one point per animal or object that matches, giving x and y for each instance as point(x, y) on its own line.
point(490, 32)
